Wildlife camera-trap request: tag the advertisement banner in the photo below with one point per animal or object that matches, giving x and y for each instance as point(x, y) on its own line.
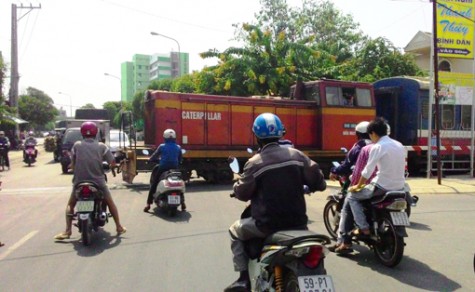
point(455, 29)
point(456, 88)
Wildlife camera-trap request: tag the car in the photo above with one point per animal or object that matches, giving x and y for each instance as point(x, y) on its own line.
point(118, 139)
point(71, 136)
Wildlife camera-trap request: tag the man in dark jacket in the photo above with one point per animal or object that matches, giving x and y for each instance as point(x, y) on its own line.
point(273, 180)
point(345, 169)
point(5, 143)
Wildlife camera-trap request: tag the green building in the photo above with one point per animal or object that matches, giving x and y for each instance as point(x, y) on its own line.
point(143, 69)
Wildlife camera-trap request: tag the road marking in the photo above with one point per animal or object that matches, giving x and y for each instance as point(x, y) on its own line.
point(18, 244)
point(28, 191)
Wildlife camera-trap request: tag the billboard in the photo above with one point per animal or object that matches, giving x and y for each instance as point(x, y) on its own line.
point(455, 28)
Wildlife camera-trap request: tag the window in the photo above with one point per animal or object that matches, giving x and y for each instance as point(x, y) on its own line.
point(447, 117)
point(312, 93)
point(465, 119)
point(445, 66)
point(334, 95)
point(363, 97)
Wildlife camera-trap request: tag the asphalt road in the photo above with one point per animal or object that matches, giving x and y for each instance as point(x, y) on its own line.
point(191, 251)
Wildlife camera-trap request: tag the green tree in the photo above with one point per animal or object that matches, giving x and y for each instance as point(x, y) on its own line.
point(88, 106)
point(184, 84)
point(138, 108)
point(286, 45)
point(36, 107)
point(378, 59)
point(113, 109)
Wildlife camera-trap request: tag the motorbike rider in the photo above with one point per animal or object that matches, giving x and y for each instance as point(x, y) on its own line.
point(168, 155)
point(30, 141)
point(273, 180)
point(345, 169)
point(87, 157)
point(6, 144)
point(389, 157)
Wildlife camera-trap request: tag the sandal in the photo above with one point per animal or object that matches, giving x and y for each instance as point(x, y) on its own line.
point(122, 231)
point(62, 236)
point(344, 249)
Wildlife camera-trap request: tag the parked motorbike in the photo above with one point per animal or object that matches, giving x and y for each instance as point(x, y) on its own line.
point(386, 216)
point(91, 208)
point(170, 191)
point(29, 154)
point(289, 260)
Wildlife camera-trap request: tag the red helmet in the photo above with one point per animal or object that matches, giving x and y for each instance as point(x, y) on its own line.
point(89, 129)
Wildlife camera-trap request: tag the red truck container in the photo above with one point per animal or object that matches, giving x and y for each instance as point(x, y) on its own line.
point(211, 128)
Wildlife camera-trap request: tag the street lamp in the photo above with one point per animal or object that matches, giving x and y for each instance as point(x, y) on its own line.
point(120, 80)
point(177, 43)
point(70, 103)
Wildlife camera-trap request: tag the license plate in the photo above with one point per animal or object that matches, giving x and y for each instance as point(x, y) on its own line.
point(173, 200)
point(316, 283)
point(85, 206)
point(400, 219)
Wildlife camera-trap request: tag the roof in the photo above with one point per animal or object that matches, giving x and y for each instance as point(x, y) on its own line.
point(16, 120)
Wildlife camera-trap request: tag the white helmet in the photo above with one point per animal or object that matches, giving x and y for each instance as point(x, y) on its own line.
point(362, 127)
point(169, 134)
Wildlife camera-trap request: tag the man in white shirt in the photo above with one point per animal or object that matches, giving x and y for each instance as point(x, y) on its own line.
point(390, 157)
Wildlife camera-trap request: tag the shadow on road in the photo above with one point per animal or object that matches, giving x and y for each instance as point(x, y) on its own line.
point(410, 271)
point(181, 216)
point(100, 242)
point(419, 226)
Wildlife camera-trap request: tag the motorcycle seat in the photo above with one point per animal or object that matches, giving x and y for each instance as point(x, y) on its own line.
point(290, 237)
point(389, 194)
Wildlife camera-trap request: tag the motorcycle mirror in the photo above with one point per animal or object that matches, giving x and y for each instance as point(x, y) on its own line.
point(335, 164)
point(234, 165)
point(106, 166)
point(344, 150)
point(249, 150)
point(145, 152)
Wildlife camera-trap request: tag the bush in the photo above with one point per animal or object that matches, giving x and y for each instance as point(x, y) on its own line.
point(50, 144)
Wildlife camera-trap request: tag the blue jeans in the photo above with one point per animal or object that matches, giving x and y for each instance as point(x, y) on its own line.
point(346, 224)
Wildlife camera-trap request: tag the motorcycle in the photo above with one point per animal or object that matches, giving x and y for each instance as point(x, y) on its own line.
point(332, 209)
point(170, 191)
point(3, 152)
point(29, 153)
point(289, 260)
point(387, 216)
point(91, 208)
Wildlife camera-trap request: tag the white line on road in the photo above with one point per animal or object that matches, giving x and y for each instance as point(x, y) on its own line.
point(18, 244)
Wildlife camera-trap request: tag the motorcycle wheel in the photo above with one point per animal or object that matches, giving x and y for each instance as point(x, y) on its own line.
point(86, 232)
point(390, 249)
point(291, 282)
point(331, 218)
point(64, 168)
point(29, 160)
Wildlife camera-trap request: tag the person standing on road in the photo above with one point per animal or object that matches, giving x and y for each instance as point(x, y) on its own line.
point(5, 142)
point(273, 180)
point(168, 155)
point(87, 157)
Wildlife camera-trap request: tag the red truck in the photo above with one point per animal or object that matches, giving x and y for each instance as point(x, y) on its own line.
point(319, 118)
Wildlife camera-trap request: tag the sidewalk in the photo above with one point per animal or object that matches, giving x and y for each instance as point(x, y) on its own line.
point(456, 184)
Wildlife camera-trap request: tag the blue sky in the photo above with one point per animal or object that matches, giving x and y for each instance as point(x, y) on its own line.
point(67, 46)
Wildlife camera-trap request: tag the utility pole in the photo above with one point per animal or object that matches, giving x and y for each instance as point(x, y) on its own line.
point(14, 75)
point(436, 92)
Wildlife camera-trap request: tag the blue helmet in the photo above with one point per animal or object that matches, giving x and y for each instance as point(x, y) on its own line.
point(268, 125)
